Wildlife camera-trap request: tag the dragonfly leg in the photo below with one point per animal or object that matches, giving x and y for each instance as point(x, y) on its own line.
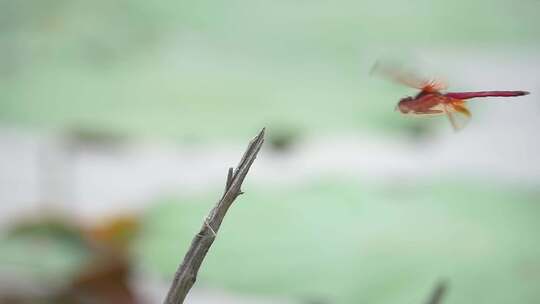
point(428, 112)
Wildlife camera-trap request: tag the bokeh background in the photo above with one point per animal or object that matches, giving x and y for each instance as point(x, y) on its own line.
point(119, 119)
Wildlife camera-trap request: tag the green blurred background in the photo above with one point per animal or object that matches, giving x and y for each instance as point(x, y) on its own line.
point(110, 108)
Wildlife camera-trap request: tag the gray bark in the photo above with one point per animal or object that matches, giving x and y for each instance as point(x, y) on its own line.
point(187, 271)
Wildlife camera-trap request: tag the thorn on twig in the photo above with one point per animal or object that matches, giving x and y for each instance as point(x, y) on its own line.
point(229, 181)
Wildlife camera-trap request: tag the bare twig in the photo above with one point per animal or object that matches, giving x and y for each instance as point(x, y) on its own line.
point(438, 293)
point(187, 271)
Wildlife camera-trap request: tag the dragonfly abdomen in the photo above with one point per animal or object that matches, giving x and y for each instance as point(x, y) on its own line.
point(467, 95)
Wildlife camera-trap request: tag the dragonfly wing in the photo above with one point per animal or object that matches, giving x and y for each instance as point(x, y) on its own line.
point(458, 114)
point(407, 78)
point(398, 75)
point(435, 85)
point(462, 109)
point(452, 120)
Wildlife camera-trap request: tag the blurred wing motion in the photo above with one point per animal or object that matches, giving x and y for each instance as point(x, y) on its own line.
point(407, 78)
point(457, 114)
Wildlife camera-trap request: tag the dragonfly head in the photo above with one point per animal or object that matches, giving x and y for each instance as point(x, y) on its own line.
point(404, 105)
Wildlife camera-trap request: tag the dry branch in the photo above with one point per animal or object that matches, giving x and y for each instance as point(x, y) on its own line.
point(187, 271)
point(438, 293)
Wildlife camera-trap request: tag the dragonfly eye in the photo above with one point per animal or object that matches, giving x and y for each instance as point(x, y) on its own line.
point(402, 106)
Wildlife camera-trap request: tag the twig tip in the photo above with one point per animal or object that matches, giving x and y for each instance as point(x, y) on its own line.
point(261, 134)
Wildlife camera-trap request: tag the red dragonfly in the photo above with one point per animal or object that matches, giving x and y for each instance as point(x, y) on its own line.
point(430, 100)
